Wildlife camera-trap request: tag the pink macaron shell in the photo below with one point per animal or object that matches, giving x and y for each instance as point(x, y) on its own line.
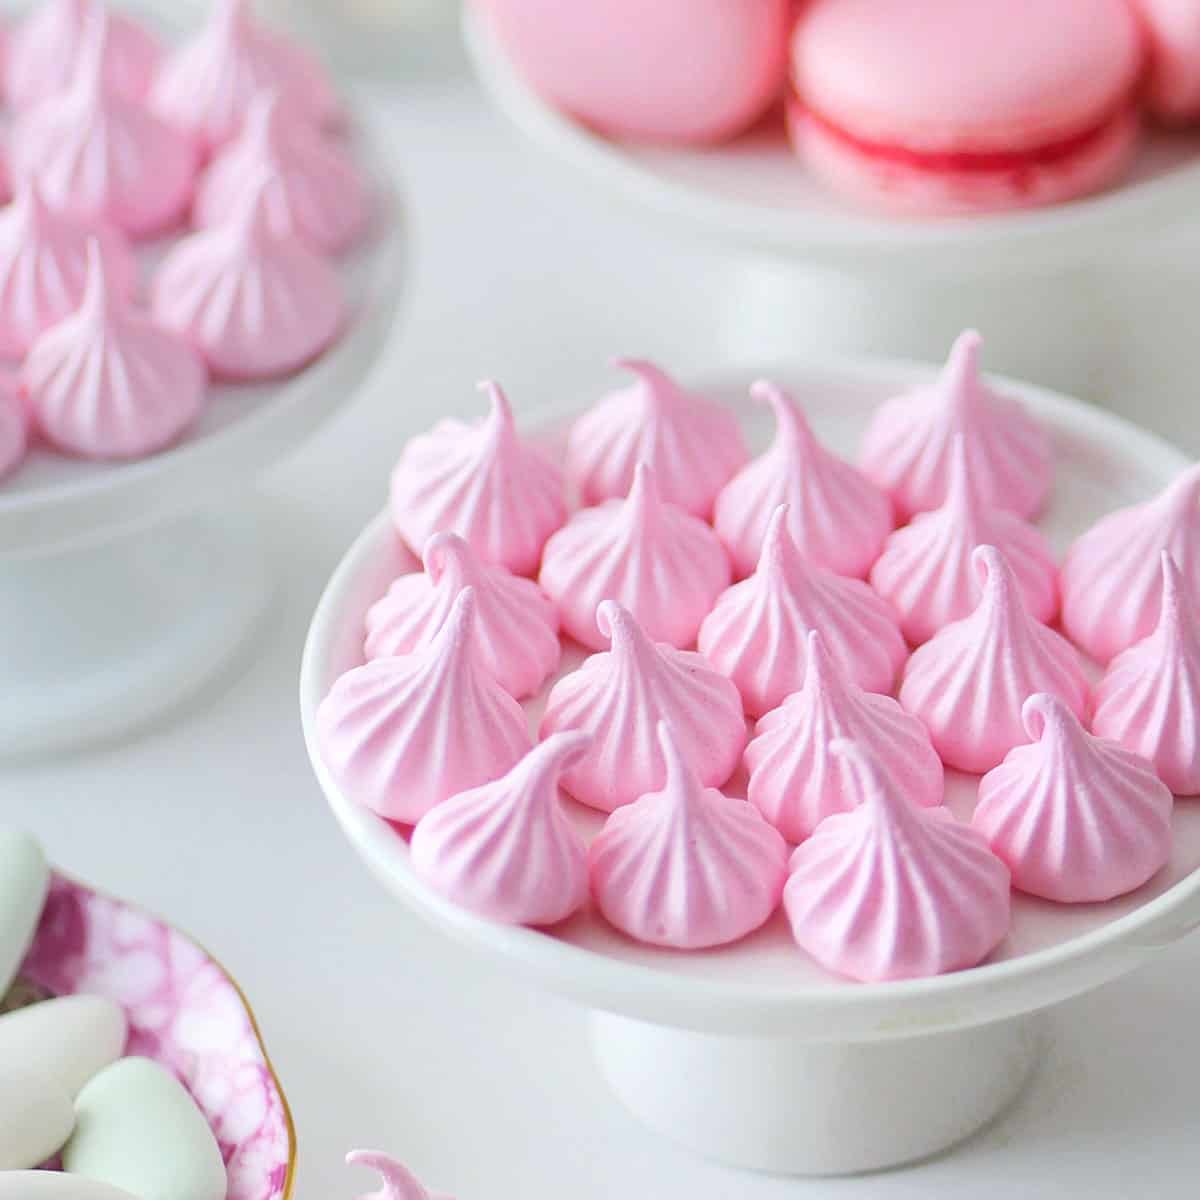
point(1172, 28)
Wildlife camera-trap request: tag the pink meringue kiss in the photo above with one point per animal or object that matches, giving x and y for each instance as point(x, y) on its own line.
point(314, 190)
point(794, 781)
point(908, 446)
point(836, 516)
point(401, 735)
point(687, 867)
point(44, 266)
point(14, 426)
point(482, 482)
point(693, 445)
point(507, 850)
point(254, 304)
point(106, 382)
point(660, 562)
point(925, 568)
point(891, 891)
point(1149, 697)
point(1111, 579)
point(399, 1183)
point(969, 681)
point(515, 622)
point(620, 696)
point(1077, 818)
point(757, 633)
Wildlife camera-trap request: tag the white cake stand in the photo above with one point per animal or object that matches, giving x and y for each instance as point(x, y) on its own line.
point(126, 587)
point(1095, 297)
point(751, 1054)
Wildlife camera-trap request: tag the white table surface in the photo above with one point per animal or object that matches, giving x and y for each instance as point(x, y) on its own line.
point(384, 1035)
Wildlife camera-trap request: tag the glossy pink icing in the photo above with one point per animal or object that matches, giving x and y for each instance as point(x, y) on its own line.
point(515, 621)
point(908, 446)
point(836, 516)
point(1077, 818)
point(1172, 30)
point(889, 890)
point(686, 867)
point(693, 445)
point(925, 568)
point(482, 482)
point(757, 633)
point(1111, 579)
point(970, 680)
point(401, 735)
point(1149, 697)
point(399, 1183)
point(664, 565)
point(506, 850)
point(621, 695)
point(795, 781)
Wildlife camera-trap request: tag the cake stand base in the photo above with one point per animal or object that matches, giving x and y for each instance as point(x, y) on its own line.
point(800, 1107)
point(109, 636)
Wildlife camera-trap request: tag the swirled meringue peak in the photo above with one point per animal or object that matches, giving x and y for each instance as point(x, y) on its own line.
point(1149, 697)
point(908, 445)
point(515, 622)
point(401, 735)
point(620, 696)
point(693, 445)
point(256, 305)
point(106, 382)
point(314, 190)
point(100, 154)
point(925, 568)
point(687, 867)
point(795, 782)
point(44, 267)
point(664, 565)
point(758, 632)
point(506, 850)
point(482, 482)
point(889, 890)
point(1111, 579)
point(399, 1183)
point(14, 425)
point(837, 517)
point(1077, 818)
point(969, 681)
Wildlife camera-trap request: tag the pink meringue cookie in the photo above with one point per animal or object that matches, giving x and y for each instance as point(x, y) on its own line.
point(399, 1183)
point(14, 425)
point(106, 382)
point(889, 890)
point(314, 190)
point(401, 735)
point(836, 516)
point(687, 867)
point(100, 154)
point(693, 445)
point(482, 482)
point(255, 305)
point(659, 561)
point(925, 568)
point(1077, 818)
point(620, 696)
point(908, 445)
point(515, 623)
point(1111, 579)
point(44, 264)
point(969, 681)
point(1149, 697)
point(757, 632)
point(506, 850)
point(794, 781)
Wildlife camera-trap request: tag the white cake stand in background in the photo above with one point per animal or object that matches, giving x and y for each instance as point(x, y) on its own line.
point(1097, 297)
point(126, 587)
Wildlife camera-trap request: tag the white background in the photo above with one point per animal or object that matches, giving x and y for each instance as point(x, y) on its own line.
point(383, 1034)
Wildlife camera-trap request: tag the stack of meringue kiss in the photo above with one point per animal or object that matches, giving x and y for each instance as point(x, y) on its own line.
point(115, 141)
point(713, 589)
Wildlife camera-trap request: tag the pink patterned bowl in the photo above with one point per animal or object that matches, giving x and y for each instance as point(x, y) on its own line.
point(184, 1011)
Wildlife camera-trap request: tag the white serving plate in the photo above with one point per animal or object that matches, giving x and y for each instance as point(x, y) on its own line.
point(752, 1053)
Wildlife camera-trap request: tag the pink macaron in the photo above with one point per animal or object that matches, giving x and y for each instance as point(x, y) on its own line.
point(1173, 76)
point(933, 107)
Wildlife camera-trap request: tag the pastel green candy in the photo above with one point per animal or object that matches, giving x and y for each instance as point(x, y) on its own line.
point(55, 1185)
point(36, 1117)
point(24, 881)
point(70, 1038)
